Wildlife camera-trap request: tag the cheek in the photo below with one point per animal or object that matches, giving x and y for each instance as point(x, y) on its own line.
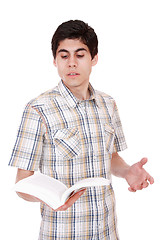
point(87, 69)
point(60, 70)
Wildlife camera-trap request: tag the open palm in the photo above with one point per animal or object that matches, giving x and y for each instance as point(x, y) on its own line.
point(137, 177)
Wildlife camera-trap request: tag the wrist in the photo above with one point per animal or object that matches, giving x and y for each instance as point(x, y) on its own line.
point(125, 171)
point(28, 197)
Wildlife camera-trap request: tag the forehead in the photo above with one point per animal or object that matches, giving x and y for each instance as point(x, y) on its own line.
point(71, 45)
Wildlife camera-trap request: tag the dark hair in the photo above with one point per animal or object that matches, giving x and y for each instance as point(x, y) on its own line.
point(75, 29)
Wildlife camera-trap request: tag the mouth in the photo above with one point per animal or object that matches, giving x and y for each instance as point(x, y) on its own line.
point(73, 74)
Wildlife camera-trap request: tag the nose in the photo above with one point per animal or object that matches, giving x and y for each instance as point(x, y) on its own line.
point(72, 62)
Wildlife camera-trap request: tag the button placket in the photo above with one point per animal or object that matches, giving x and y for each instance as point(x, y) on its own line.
point(100, 217)
point(82, 106)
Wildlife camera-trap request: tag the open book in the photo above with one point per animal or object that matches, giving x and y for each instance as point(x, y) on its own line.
point(53, 192)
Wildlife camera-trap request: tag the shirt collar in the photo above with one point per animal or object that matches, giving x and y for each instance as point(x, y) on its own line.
point(71, 100)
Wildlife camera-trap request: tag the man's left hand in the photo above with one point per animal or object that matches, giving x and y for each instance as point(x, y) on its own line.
point(137, 177)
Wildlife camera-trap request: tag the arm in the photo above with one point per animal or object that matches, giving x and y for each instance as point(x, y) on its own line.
point(135, 175)
point(119, 167)
point(21, 174)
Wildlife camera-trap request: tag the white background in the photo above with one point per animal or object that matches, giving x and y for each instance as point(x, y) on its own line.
point(128, 70)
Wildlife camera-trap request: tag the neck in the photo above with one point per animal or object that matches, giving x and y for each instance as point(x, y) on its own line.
point(80, 92)
point(81, 95)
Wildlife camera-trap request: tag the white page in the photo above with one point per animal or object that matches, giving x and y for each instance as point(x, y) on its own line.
point(89, 182)
point(46, 188)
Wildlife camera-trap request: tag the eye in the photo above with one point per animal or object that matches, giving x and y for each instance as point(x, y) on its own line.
point(80, 56)
point(64, 57)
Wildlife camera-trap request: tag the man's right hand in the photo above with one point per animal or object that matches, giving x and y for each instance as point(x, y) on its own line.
point(21, 174)
point(70, 201)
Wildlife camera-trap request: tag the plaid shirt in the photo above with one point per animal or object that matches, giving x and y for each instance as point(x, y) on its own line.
point(70, 140)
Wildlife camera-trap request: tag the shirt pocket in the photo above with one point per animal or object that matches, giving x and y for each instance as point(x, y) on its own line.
point(109, 137)
point(67, 142)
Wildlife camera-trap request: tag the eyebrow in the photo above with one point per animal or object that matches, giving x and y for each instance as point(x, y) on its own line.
point(77, 50)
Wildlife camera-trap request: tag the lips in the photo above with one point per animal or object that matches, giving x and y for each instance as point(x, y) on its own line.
point(73, 74)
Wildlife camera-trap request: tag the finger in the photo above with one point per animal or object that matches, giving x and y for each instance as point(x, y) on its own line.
point(71, 201)
point(74, 192)
point(150, 179)
point(145, 184)
point(76, 195)
point(139, 187)
point(143, 161)
point(136, 187)
point(131, 189)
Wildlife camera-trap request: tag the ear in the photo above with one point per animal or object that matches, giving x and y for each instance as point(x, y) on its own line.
point(54, 62)
point(95, 60)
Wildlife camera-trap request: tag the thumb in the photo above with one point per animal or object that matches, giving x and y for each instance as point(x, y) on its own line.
point(143, 161)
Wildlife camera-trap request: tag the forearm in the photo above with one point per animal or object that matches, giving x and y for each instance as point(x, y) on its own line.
point(21, 174)
point(135, 175)
point(119, 167)
point(27, 197)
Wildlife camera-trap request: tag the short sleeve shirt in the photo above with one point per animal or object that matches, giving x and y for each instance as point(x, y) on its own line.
point(70, 140)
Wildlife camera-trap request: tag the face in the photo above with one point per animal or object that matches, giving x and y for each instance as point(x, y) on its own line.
point(74, 62)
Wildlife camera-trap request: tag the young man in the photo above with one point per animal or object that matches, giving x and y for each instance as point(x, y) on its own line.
point(73, 132)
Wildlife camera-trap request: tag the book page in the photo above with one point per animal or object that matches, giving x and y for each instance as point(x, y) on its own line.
point(84, 183)
point(46, 188)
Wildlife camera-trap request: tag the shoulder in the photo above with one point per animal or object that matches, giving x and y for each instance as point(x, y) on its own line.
point(104, 98)
point(44, 99)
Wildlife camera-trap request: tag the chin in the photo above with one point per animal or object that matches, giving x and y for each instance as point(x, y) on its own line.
point(72, 82)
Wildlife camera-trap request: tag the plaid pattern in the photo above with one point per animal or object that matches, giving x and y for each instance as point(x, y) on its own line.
point(70, 140)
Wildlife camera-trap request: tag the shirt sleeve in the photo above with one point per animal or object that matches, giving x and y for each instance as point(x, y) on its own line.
point(119, 138)
point(27, 151)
